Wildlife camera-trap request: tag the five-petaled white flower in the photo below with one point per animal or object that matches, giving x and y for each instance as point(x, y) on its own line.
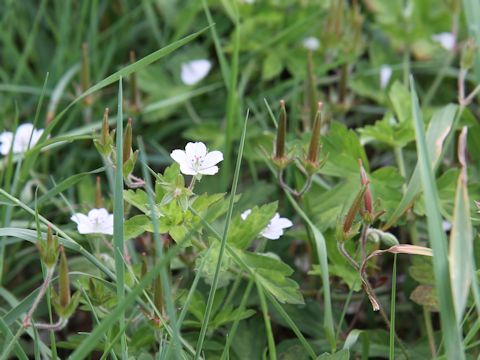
point(446, 40)
point(196, 160)
point(98, 221)
point(385, 75)
point(275, 227)
point(311, 43)
point(24, 138)
point(194, 71)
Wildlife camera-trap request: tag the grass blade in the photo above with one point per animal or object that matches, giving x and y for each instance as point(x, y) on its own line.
point(392, 309)
point(461, 237)
point(223, 243)
point(438, 240)
point(118, 230)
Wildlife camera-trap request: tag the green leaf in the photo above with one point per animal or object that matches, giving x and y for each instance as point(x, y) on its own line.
point(273, 274)
point(344, 149)
point(137, 198)
point(136, 226)
point(343, 354)
point(243, 232)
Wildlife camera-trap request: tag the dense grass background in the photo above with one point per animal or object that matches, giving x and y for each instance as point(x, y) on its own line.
point(213, 294)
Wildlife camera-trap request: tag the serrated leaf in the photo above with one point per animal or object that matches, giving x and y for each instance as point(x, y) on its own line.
point(243, 232)
point(273, 274)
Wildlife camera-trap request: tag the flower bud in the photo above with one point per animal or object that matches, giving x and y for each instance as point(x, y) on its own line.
point(104, 144)
point(314, 147)
point(49, 250)
point(368, 202)
point(281, 133)
point(468, 54)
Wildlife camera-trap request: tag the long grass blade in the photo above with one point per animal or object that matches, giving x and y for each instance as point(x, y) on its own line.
point(461, 236)
point(118, 229)
point(438, 241)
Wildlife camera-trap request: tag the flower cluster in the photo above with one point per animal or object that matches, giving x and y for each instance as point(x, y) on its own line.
point(275, 227)
point(23, 139)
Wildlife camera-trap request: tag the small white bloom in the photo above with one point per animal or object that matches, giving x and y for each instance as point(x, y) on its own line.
point(446, 225)
point(446, 40)
point(311, 43)
point(98, 221)
point(25, 137)
point(275, 227)
point(385, 75)
point(194, 71)
point(196, 160)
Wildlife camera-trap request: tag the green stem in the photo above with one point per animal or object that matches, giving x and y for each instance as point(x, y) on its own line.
point(268, 326)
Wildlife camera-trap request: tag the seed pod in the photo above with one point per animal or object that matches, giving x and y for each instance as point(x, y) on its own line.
point(368, 201)
point(281, 133)
point(352, 212)
point(64, 282)
point(314, 147)
point(127, 141)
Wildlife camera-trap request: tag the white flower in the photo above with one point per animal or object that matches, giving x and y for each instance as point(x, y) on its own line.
point(311, 43)
point(25, 137)
point(446, 225)
point(446, 40)
point(195, 160)
point(385, 75)
point(275, 227)
point(98, 221)
point(194, 71)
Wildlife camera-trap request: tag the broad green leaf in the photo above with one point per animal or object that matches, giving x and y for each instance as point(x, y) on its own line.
point(273, 274)
point(344, 149)
point(343, 354)
point(136, 226)
point(137, 198)
point(243, 232)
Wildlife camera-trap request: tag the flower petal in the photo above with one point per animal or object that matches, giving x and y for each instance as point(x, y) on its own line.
point(208, 171)
point(180, 157)
point(195, 150)
point(272, 233)
point(245, 214)
point(187, 169)
point(6, 139)
point(283, 223)
point(194, 71)
point(212, 158)
point(84, 226)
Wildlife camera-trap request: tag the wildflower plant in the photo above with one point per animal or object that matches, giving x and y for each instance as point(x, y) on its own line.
point(196, 215)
